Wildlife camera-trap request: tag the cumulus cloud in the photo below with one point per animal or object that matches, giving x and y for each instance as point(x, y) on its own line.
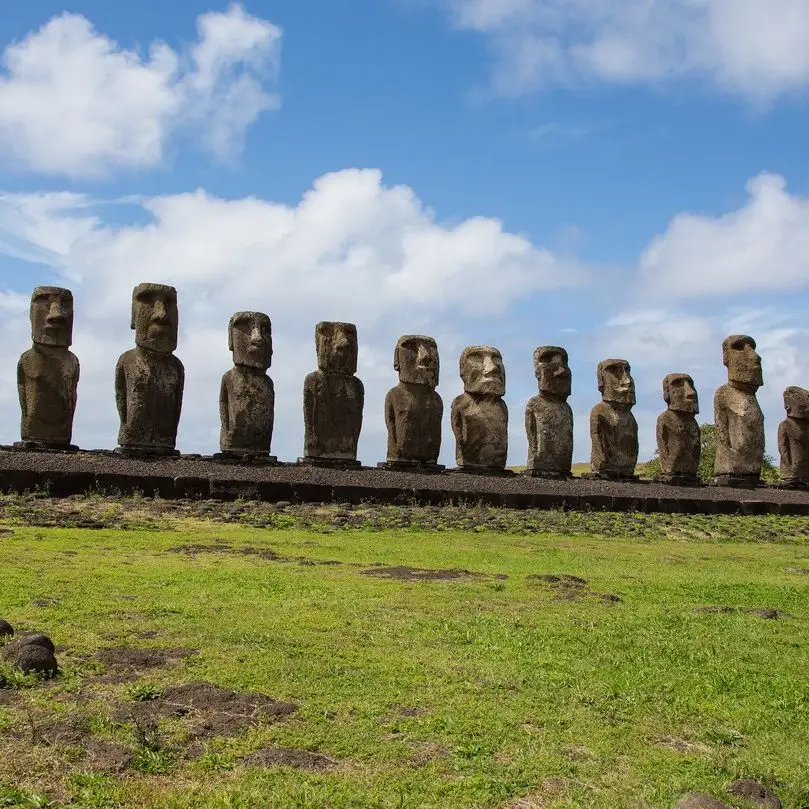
point(74, 102)
point(761, 247)
point(351, 249)
point(749, 48)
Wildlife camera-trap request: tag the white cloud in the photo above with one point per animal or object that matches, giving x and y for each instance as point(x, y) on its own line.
point(74, 102)
point(751, 48)
point(761, 247)
point(352, 249)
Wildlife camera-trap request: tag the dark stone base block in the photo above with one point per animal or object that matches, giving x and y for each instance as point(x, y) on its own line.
point(794, 483)
point(147, 453)
point(417, 467)
point(547, 474)
point(679, 480)
point(44, 446)
point(738, 481)
point(491, 471)
point(331, 463)
point(247, 458)
point(613, 476)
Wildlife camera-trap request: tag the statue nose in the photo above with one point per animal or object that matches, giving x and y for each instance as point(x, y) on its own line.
point(55, 313)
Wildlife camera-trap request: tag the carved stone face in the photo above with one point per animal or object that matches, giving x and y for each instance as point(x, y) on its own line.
point(743, 364)
point(250, 340)
point(552, 371)
point(52, 316)
point(416, 360)
point(796, 402)
point(482, 370)
point(155, 318)
point(336, 347)
point(680, 394)
point(615, 382)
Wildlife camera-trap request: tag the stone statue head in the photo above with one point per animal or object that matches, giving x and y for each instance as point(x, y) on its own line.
point(52, 316)
point(155, 318)
point(680, 394)
point(552, 371)
point(482, 370)
point(615, 382)
point(250, 339)
point(336, 347)
point(796, 402)
point(416, 359)
point(740, 358)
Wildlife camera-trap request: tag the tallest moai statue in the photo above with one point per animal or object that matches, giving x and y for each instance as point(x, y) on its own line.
point(48, 373)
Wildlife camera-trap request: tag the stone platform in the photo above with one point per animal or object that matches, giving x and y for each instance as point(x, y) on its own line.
point(194, 476)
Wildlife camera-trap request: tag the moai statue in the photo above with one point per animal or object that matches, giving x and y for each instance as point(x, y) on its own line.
point(678, 437)
point(247, 394)
point(48, 373)
point(738, 417)
point(413, 409)
point(613, 429)
point(548, 417)
point(479, 415)
point(149, 379)
point(793, 439)
point(333, 399)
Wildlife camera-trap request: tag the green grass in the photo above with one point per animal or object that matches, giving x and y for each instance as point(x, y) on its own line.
point(476, 692)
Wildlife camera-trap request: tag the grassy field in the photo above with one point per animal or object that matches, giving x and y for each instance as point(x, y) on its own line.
point(418, 658)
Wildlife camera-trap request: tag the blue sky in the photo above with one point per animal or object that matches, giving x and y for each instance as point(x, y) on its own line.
point(625, 180)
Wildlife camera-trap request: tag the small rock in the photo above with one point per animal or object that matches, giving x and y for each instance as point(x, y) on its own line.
point(33, 659)
point(699, 800)
point(283, 504)
point(755, 793)
point(770, 614)
point(6, 629)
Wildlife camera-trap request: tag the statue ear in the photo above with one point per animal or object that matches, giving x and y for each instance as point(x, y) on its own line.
point(600, 379)
point(396, 358)
point(666, 390)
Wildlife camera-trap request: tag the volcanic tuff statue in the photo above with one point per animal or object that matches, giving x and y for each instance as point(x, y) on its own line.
point(413, 409)
point(149, 379)
point(48, 373)
point(678, 437)
point(479, 415)
point(247, 394)
point(613, 429)
point(548, 417)
point(737, 415)
point(333, 398)
point(793, 439)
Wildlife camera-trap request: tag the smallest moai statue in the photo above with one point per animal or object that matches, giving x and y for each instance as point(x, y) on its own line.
point(247, 394)
point(613, 429)
point(413, 409)
point(678, 437)
point(793, 439)
point(548, 417)
point(48, 373)
point(479, 415)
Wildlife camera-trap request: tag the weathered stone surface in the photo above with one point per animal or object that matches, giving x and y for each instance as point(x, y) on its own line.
point(548, 416)
point(755, 793)
point(413, 409)
point(48, 373)
point(149, 379)
point(613, 429)
point(678, 437)
point(6, 629)
point(699, 800)
point(737, 415)
point(333, 398)
point(793, 438)
point(32, 653)
point(247, 394)
point(479, 415)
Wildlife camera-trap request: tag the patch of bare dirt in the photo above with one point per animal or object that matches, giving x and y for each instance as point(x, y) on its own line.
point(679, 745)
point(548, 792)
point(571, 588)
point(289, 757)
point(767, 613)
point(401, 573)
point(106, 757)
point(135, 659)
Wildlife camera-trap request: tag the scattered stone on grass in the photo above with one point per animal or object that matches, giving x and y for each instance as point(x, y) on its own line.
point(571, 588)
point(6, 629)
point(754, 792)
point(211, 710)
point(33, 653)
point(6, 532)
point(768, 613)
point(218, 546)
point(402, 573)
point(699, 800)
point(47, 602)
point(801, 571)
point(679, 745)
point(118, 658)
point(289, 757)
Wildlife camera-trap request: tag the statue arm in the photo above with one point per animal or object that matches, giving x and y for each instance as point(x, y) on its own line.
point(720, 415)
point(180, 390)
point(600, 447)
point(390, 423)
point(224, 410)
point(120, 391)
point(271, 417)
point(458, 423)
point(662, 441)
point(74, 390)
point(531, 432)
point(21, 389)
point(783, 445)
point(309, 414)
